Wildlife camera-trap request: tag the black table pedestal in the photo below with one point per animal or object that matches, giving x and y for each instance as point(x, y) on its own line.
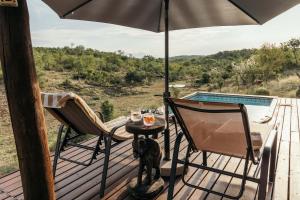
point(149, 154)
point(144, 191)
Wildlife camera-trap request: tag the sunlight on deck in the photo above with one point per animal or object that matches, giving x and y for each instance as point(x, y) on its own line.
point(78, 182)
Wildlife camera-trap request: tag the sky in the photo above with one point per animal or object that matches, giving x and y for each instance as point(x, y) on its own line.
point(49, 31)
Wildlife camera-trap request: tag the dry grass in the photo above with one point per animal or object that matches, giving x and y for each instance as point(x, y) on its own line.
point(94, 96)
point(284, 87)
point(7, 146)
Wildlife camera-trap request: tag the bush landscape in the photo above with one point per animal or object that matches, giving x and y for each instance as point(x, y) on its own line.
point(115, 83)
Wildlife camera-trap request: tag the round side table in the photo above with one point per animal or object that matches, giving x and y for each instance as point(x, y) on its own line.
point(138, 128)
point(138, 187)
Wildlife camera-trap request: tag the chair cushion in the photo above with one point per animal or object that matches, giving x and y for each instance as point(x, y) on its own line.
point(79, 114)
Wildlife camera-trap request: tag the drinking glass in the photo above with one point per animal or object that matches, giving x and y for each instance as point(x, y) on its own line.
point(148, 119)
point(135, 115)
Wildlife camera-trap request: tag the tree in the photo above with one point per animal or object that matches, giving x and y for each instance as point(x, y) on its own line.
point(289, 58)
point(269, 60)
point(246, 72)
point(294, 44)
point(218, 79)
point(205, 78)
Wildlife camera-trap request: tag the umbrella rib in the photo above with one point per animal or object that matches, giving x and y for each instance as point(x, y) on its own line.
point(77, 7)
point(244, 11)
point(160, 14)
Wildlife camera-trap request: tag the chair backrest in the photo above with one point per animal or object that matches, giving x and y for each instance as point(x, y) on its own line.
point(73, 111)
point(215, 127)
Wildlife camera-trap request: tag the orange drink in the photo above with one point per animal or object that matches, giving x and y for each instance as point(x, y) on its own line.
point(148, 119)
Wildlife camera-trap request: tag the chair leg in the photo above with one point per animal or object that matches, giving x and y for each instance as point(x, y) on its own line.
point(65, 139)
point(57, 149)
point(264, 174)
point(273, 161)
point(204, 158)
point(174, 165)
point(107, 141)
point(97, 149)
point(186, 160)
point(244, 179)
point(175, 124)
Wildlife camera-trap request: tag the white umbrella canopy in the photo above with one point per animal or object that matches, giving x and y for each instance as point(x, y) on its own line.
point(183, 14)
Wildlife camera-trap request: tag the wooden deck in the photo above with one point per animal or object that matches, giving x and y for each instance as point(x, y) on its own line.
point(78, 182)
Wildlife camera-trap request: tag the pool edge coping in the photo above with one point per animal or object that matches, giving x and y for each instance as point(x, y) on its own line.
point(267, 116)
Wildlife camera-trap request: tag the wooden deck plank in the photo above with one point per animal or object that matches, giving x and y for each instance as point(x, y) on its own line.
point(218, 182)
point(81, 156)
point(196, 158)
point(70, 151)
point(15, 177)
point(251, 188)
point(64, 168)
point(294, 181)
point(4, 195)
point(235, 183)
point(199, 177)
point(281, 189)
point(85, 171)
point(72, 168)
point(82, 183)
point(8, 177)
point(227, 179)
point(122, 191)
point(294, 187)
point(116, 168)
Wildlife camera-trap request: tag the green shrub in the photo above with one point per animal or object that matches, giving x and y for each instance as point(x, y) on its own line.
point(41, 78)
point(298, 92)
point(135, 77)
point(205, 78)
point(107, 109)
point(262, 91)
point(67, 84)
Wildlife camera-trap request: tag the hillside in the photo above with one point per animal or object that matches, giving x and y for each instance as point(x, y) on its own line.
point(127, 82)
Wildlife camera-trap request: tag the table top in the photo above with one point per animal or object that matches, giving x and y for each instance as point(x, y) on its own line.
point(140, 129)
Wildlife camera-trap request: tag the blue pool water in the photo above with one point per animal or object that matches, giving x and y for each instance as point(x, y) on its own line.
point(257, 107)
point(246, 100)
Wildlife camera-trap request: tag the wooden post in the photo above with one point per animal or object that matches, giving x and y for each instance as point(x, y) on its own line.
point(24, 101)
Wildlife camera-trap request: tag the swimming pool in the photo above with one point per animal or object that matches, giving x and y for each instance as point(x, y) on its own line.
point(260, 108)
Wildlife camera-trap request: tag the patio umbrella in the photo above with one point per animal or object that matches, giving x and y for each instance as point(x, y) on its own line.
point(165, 15)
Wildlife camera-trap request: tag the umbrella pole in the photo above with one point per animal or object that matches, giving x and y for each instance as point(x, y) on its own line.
point(166, 164)
point(167, 93)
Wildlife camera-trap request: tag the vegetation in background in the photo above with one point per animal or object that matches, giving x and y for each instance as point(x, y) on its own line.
point(298, 92)
point(107, 109)
point(175, 92)
point(117, 83)
point(119, 74)
point(262, 91)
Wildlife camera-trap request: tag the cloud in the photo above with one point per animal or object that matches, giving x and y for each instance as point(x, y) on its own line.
point(49, 30)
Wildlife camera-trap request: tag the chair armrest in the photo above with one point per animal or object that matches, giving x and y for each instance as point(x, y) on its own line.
point(270, 141)
point(115, 128)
